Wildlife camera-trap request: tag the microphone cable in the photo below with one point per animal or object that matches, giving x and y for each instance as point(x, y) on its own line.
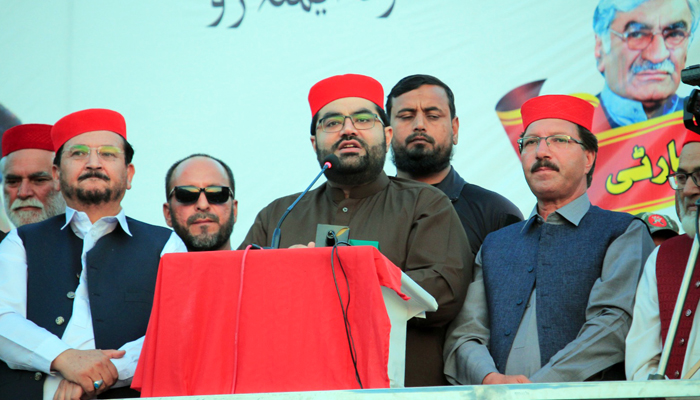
point(344, 308)
point(238, 318)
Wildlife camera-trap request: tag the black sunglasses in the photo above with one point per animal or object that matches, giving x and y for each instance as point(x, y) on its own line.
point(190, 194)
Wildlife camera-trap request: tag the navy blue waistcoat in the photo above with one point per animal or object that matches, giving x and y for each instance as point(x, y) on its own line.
point(121, 274)
point(564, 261)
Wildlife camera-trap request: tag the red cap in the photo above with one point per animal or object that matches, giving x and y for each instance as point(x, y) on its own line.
point(568, 108)
point(27, 136)
point(93, 119)
point(341, 86)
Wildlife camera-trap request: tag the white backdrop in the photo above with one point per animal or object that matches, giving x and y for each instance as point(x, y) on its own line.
point(240, 94)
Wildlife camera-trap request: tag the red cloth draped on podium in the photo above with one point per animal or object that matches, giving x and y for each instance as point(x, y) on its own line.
point(291, 332)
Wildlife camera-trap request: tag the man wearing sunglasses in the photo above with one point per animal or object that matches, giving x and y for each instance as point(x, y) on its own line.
point(414, 224)
point(76, 290)
point(661, 281)
point(552, 296)
point(640, 48)
point(30, 191)
point(200, 206)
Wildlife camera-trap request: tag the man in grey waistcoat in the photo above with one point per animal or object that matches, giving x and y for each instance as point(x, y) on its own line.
point(552, 296)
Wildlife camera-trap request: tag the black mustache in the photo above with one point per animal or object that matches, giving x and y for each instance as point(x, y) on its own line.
point(93, 174)
point(420, 134)
point(348, 138)
point(543, 163)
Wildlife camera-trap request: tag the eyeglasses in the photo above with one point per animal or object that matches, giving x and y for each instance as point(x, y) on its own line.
point(640, 39)
point(557, 142)
point(82, 152)
point(359, 121)
point(190, 194)
point(679, 179)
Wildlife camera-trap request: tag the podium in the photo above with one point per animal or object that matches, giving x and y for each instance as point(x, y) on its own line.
point(271, 321)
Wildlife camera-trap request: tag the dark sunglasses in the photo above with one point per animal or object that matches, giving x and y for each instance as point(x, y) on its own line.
point(190, 194)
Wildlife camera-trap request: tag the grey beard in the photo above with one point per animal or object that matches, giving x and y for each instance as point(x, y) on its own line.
point(204, 241)
point(688, 223)
point(55, 205)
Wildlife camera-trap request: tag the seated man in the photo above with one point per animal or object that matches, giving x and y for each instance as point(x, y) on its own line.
point(658, 289)
point(414, 224)
point(76, 290)
point(201, 205)
point(31, 193)
point(552, 296)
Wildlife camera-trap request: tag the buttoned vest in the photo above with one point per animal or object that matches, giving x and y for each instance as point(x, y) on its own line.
point(121, 274)
point(670, 268)
point(562, 261)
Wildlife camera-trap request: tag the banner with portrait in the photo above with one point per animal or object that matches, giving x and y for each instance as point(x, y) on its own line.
point(231, 77)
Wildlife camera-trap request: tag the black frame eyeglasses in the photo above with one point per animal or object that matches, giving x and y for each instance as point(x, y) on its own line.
point(361, 121)
point(680, 179)
point(190, 194)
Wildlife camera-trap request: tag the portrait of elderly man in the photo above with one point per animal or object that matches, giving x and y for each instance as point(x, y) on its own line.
point(640, 49)
point(557, 304)
point(31, 194)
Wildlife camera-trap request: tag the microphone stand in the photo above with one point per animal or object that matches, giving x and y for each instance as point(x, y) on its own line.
point(277, 233)
point(678, 309)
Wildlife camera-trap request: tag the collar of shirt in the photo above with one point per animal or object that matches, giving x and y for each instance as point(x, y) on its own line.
point(81, 225)
point(572, 212)
point(624, 111)
point(452, 185)
point(360, 192)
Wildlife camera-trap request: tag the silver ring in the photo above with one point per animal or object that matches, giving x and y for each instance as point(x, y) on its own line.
point(97, 384)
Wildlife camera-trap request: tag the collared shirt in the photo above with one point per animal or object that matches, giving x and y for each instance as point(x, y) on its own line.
point(467, 358)
point(481, 211)
point(643, 343)
point(622, 111)
point(23, 344)
point(416, 227)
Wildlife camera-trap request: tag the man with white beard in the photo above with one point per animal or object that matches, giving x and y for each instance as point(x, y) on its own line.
point(31, 193)
point(658, 289)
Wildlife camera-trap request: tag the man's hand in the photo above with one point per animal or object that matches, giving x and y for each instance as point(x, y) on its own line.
point(68, 390)
point(311, 245)
point(494, 378)
point(84, 367)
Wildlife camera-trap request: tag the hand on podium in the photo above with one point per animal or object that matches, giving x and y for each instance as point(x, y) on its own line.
point(495, 378)
point(311, 245)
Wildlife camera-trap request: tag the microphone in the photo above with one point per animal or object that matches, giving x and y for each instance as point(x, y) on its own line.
point(328, 162)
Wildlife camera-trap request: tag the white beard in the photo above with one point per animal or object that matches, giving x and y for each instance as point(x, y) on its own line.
point(688, 222)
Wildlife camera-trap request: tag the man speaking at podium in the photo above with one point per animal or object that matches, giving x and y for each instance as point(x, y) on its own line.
point(414, 224)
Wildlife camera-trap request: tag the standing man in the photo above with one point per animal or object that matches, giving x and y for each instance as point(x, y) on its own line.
point(31, 192)
point(201, 205)
point(76, 290)
point(641, 47)
point(414, 224)
point(658, 289)
point(552, 296)
point(422, 113)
